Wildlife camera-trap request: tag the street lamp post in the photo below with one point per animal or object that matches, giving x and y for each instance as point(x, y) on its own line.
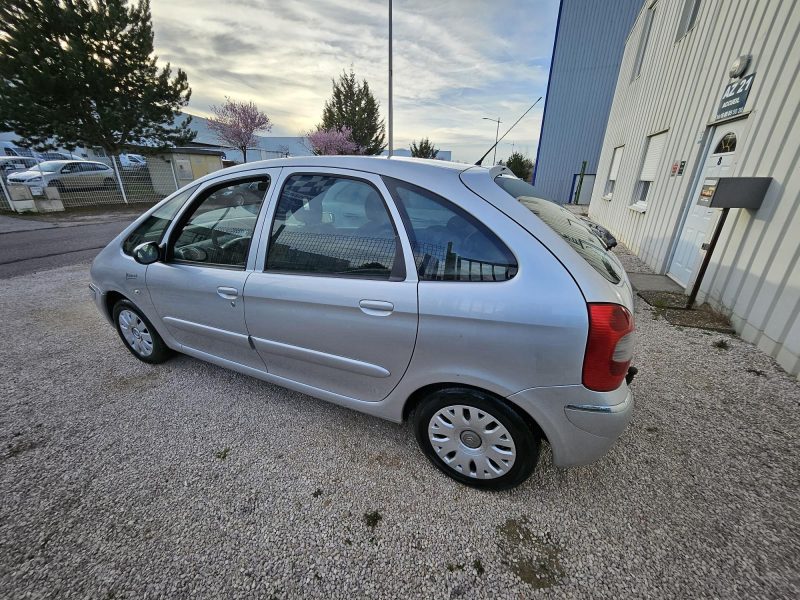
point(496, 133)
point(391, 116)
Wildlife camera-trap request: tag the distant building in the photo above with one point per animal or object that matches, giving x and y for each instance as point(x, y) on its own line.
point(265, 148)
point(442, 155)
point(590, 39)
point(709, 90)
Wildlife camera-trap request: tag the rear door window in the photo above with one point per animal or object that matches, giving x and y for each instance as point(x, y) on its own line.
point(448, 243)
point(565, 224)
point(333, 226)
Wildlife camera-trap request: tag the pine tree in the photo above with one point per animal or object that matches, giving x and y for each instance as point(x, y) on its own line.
point(424, 149)
point(520, 165)
point(83, 73)
point(353, 106)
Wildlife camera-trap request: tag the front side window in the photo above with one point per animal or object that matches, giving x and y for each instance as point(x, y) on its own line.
point(218, 229)
point(448, 243)
point(329, 225)
point(153, 227)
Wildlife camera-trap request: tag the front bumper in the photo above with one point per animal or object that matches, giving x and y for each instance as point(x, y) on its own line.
point(581, 425)
point(99, 298)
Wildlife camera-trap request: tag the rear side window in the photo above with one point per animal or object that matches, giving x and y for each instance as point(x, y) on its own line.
point(565, 224)
point(448, 243)
point(153, 227)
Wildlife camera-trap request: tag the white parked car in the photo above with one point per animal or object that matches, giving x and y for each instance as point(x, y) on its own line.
point(67, 175)
point(15, 164)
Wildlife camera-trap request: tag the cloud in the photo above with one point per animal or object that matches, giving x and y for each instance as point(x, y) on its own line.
point(454, 61)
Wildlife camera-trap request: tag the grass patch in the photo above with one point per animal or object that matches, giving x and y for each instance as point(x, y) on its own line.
point(722, 345)
point(223, 454)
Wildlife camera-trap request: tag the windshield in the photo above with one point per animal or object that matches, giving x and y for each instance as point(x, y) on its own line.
point(565, 224)
point(49, 167)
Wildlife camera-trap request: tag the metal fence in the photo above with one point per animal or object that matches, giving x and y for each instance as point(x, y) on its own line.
point(123, 179)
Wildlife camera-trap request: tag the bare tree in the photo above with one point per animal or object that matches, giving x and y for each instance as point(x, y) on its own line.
point(235, 124)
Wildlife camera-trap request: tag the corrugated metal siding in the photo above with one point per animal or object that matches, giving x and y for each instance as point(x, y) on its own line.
point(586, 58)
point(755, 271)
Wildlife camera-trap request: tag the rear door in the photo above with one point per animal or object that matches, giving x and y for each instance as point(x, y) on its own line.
point(333, 303)
point(197, 290)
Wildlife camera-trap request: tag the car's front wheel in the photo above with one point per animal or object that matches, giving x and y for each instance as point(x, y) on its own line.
point(476, 438)
point(138, 334)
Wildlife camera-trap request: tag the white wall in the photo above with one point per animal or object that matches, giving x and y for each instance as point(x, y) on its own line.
point(755, 271)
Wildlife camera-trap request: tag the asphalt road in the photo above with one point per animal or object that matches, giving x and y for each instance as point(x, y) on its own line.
point(23, 252)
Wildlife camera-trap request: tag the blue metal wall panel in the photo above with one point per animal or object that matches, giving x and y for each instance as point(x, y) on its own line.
point(590, 40)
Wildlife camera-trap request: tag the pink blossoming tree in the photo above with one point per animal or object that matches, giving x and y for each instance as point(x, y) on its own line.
point(235, 124)
point(333, 141)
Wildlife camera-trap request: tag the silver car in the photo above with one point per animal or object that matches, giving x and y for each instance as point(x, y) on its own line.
point(441, 293)
point(67, 175)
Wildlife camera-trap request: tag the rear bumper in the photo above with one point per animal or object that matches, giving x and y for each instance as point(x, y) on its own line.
point(581, 425)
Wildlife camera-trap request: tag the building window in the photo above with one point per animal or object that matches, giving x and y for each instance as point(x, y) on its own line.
point(691, 8)
point(726, 144)
point(613, 172)
point(643, 40)
point(650, 165)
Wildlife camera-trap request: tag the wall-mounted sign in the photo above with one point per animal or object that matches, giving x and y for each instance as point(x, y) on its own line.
point(674, 171)
point(734, 98)
point(707, 192)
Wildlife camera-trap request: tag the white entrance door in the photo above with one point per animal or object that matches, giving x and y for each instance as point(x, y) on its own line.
point(700, 220)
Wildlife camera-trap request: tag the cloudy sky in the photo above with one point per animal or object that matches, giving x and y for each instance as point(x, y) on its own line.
point(455, 61)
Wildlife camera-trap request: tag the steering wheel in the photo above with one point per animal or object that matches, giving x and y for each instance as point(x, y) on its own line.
point(216, 234)
point(232, 243)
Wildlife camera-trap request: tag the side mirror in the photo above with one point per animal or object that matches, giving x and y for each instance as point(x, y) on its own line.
point(147, 253)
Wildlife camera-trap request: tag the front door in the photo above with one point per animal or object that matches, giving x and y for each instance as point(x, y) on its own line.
point(197, 290)
point(331, 306)
point(699, 219)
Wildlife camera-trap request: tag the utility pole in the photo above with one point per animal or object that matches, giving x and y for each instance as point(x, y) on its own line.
point(391, 136)
point(496, 133)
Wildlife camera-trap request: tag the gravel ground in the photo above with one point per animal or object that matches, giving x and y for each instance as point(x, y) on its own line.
point(122, 480)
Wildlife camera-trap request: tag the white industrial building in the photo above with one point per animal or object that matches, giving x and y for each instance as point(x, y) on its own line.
point(708, 89)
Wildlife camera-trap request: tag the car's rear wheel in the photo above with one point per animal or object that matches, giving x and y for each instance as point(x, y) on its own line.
point(476, 438)
point(138, 334)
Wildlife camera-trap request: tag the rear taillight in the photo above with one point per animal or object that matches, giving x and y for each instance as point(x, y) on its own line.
point(610, 347)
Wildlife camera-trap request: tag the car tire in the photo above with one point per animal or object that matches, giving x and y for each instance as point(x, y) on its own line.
point(108, 184)
point(138, 334)
point(476, 438)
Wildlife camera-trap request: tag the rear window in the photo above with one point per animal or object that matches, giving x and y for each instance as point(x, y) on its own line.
point(565, 224)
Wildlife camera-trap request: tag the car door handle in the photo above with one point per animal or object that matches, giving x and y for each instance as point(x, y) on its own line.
point(228, 293)
point(379, 308)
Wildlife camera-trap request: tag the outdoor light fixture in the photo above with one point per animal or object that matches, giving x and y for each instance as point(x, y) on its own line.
point(739, 66)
